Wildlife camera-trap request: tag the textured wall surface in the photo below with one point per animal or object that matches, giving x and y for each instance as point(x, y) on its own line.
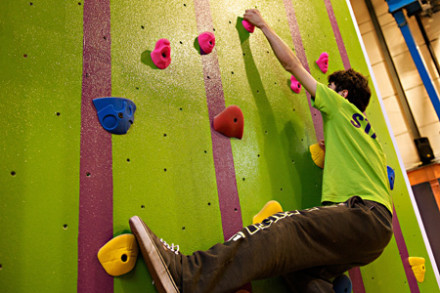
point(61, 173)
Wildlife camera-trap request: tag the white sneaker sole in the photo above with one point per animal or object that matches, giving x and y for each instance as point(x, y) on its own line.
point(156, 266)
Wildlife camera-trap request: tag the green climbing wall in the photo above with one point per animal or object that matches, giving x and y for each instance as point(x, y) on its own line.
point(163, 169)
point(40, 82)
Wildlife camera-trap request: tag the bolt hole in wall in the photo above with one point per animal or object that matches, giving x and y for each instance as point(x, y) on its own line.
point(65, 226)
point(124, 258)
point(13, 173)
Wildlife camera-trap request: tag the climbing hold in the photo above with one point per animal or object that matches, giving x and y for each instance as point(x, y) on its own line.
point(161, 54)
point(248, 26)
point(323, 62)
point(318, 154)
point(115, 114)
point(418, 267)
point(206, 42)
point(230, 122)
point(342, 284)
point(118, 256)
point(391, 176)
point(270, 208)
point(295, 85)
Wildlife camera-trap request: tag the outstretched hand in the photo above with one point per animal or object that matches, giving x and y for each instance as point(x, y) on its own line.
point(283, 52)
point(254, 17)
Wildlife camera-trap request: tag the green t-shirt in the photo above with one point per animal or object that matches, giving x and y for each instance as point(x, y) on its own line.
point(354, 160)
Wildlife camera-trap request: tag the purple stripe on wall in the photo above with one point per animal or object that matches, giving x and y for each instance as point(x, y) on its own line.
point(222, 151)
point(403, 251)
point(301, 54)
point(337, 33)
point(96, 182)
point(356, 280)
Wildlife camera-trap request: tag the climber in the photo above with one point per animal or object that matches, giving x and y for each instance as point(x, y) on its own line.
point(309, 247)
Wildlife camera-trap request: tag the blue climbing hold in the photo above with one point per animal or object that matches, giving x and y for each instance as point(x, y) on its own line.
point(115, 114)
point(342, 284)
point(391, 176)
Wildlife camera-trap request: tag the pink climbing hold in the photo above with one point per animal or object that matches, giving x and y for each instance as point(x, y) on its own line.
point(230, 122)
point(206, 42)
point(323, 62)
point(248, 26)
point(161, 54)
point(295, 85)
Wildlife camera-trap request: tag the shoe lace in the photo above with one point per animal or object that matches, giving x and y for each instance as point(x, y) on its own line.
point(172, 247)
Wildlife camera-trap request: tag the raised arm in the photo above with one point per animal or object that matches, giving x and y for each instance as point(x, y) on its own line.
point(284, 54)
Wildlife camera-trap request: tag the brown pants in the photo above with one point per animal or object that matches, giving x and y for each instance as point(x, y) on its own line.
point(308, 247)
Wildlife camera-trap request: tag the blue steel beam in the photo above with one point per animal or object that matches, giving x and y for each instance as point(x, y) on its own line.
point(395, 5)
point(415, 54)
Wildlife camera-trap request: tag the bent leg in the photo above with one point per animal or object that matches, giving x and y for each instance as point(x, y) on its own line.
point(352, 233)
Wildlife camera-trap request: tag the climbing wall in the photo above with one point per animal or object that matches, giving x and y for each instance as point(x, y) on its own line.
point(68, 186)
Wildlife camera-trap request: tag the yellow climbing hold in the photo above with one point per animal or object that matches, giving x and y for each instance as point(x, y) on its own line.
point(317, 154)
point(270, 208)
point(418, 267)
point(118, 256)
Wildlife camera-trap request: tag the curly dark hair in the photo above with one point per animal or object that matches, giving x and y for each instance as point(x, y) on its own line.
point(355, 83)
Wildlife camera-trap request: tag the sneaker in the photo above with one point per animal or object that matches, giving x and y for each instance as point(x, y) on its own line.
point(163, 260)
point(342, 284)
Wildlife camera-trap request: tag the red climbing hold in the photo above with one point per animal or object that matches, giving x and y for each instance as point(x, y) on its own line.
point(248, 26)
point(295, 85)
point(161, 54)
point(206, 42)
point(323, 62)
point(230, 122)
